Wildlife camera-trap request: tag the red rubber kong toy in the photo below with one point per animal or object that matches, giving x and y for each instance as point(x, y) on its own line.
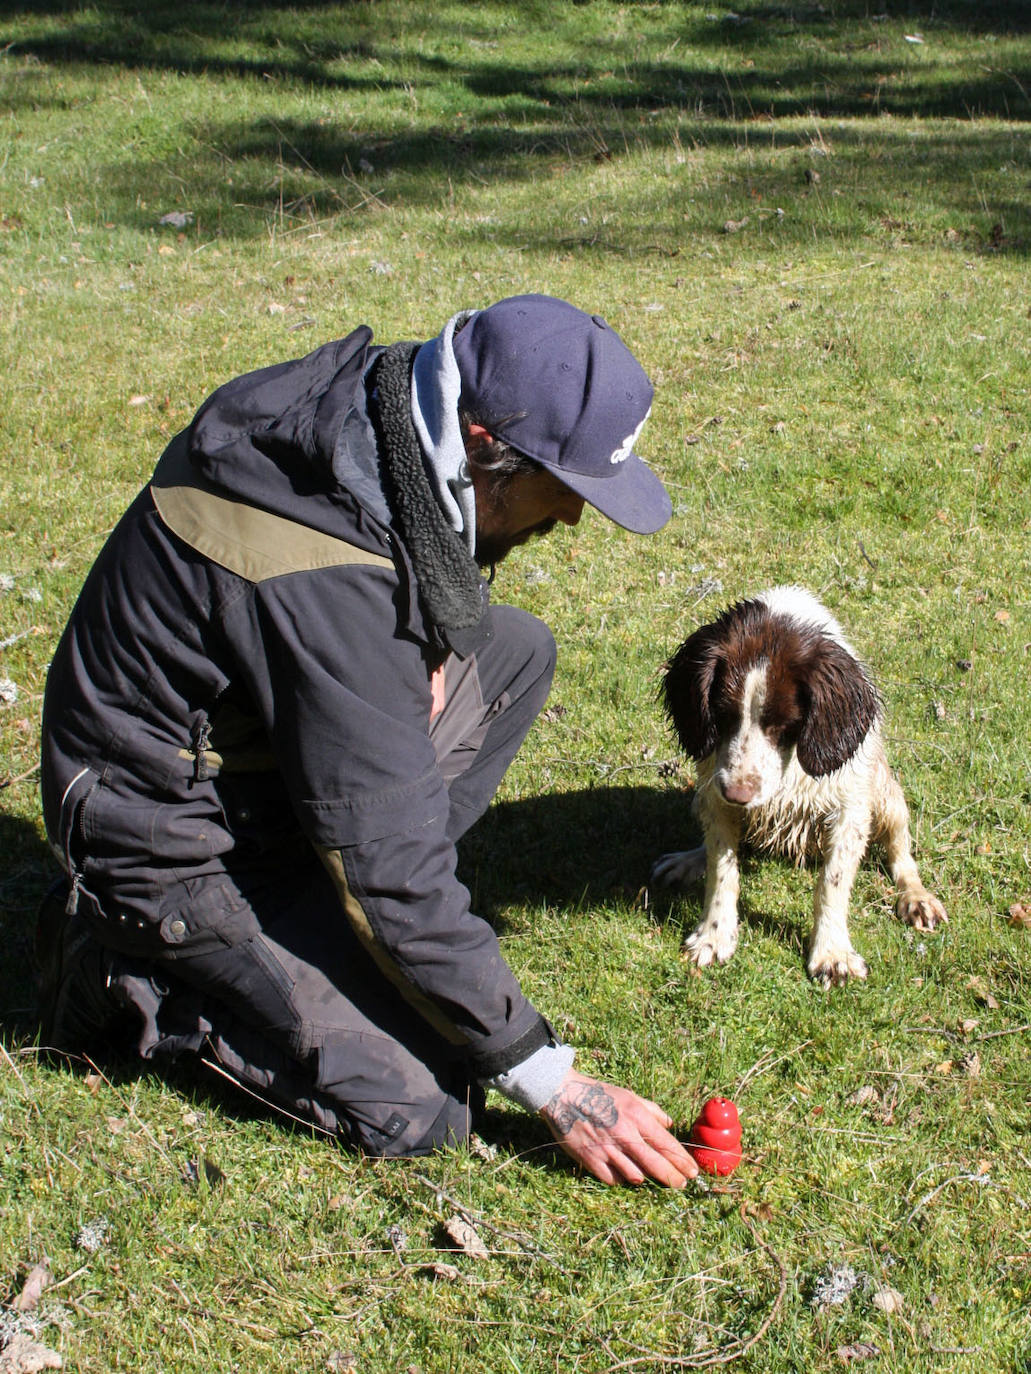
point(715, 1139)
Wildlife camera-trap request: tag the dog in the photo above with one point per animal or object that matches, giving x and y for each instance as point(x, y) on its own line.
point(785, 724)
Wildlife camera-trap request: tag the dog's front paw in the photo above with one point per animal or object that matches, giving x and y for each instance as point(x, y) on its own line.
point(921, 910)
point(831, 967)
point(680, 868)
point(710, 945)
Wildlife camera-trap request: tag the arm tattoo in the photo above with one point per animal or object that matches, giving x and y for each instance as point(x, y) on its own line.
point(582, 1102)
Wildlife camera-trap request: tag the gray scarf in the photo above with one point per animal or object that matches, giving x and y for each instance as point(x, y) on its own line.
point(436, 392)
point(453, 594)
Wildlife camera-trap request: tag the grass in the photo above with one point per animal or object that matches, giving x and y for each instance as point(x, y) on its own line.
point(814, 231)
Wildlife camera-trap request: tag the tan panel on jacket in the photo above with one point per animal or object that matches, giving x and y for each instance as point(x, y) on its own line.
point(248, 541)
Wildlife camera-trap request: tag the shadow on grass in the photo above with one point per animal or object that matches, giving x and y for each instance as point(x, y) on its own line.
point(748, 71)
point(28, 869)
point(295, 174)
point(584, 849)
point(573, 848)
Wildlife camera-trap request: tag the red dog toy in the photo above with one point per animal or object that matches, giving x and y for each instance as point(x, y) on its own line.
point(715, 1139)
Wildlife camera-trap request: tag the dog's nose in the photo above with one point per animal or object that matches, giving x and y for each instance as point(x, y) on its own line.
point(741, 790)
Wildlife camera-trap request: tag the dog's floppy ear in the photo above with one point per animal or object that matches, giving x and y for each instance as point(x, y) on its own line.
point(687, 691)
point(841, 705)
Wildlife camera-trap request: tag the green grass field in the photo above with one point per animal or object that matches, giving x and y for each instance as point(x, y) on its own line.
point(812, 225)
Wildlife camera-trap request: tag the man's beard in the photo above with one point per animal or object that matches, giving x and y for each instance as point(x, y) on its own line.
point(492, 548)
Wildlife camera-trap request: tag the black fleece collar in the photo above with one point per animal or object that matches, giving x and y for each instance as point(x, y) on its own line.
point(452, 591)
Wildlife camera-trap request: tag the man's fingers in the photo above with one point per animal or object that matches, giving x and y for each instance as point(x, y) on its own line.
point(616, 1135)
point(663, 1118)
point(670, 1148)
point(633, 1159)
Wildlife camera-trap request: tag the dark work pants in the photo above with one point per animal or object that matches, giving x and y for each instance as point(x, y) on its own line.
point(299, 1015)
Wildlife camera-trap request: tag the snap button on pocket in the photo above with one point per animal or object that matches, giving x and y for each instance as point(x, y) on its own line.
point(175, 929)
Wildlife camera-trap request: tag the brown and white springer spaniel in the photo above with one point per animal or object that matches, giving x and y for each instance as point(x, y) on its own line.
point(785, 725)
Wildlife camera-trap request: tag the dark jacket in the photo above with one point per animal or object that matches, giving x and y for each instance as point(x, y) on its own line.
point(245, 676)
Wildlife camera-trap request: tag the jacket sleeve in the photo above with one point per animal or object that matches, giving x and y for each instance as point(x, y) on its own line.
point(345, 697)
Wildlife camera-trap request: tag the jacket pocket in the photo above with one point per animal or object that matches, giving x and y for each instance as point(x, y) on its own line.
point(203, 914)
point(71, 837)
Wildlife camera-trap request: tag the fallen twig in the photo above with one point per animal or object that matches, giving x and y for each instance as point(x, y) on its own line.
point(477, 1219)
point(197, 1309)
point(982, 1180)
point(1010, 1030)
point(22, 777)
point(707, 1359)
point(21, 1081)
point(265, 1101)
point(764, 1064)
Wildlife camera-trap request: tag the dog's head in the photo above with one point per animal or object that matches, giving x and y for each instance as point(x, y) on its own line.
point(755, 687)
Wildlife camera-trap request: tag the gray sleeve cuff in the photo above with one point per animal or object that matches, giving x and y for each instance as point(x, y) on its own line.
point(533, 1083)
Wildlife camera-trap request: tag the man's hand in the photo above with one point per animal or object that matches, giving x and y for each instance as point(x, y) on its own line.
point(616, 1135)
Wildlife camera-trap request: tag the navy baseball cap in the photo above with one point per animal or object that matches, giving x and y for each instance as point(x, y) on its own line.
point(562, 387)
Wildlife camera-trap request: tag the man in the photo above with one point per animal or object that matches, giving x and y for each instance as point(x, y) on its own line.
point(283, 696)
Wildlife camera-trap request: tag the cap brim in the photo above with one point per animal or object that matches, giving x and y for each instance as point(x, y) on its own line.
point(633, 497)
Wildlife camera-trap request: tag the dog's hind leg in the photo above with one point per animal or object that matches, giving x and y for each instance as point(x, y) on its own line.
point(680, 868)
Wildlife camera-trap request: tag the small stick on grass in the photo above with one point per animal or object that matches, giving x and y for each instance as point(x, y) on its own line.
point(707, 1359)
point(476, 1219)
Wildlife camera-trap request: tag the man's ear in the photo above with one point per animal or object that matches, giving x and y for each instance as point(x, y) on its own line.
point(479, 432)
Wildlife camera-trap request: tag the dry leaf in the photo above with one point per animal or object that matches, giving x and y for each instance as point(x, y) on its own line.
point(1020, 915)
point(861, 1096)
point(944, 1068)
point(32, 1290)
point(441, 1271)
point(858, 1350)
point(23, 1355)
point(888, 1300)
point(971, 1064)
point(731, 226)
point(981, 994)
point(465, 1238)
point(341, 1361)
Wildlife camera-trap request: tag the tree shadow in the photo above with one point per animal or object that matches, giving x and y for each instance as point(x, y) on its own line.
point(240, 175)
point(298, 173)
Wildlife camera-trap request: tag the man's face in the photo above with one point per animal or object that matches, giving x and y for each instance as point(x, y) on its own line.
point(514, 511)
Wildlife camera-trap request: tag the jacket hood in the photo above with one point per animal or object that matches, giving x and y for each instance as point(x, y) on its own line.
point(269, 437)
